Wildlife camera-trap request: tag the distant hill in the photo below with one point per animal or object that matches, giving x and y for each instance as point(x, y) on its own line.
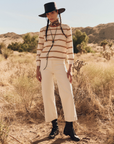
point(13, 37)
point(96, 34)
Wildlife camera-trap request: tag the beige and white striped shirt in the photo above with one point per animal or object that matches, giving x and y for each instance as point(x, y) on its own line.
point(62, 48)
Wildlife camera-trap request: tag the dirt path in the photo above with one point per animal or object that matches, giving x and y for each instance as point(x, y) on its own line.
point(38, 134)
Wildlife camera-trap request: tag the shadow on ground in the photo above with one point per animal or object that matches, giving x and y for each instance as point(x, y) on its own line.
point(57, 141)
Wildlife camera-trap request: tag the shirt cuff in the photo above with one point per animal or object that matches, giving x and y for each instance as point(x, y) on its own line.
point(70, 61)
point(38, 63)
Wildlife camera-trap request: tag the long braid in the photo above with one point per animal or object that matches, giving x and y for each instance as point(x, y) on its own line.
point(47, 29)
point(61, 26)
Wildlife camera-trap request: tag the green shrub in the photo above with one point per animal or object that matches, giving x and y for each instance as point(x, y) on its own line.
point(88, 49)
point(104, 43)
point(14, 46)
point(27, 38)
point(80, 40)
point(81, 47)
point(29, 44)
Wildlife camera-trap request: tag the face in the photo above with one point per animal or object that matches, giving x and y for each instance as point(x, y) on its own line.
point(52, 16)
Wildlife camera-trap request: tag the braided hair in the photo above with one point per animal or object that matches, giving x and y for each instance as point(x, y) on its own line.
point(47, 29)
point(60, 27)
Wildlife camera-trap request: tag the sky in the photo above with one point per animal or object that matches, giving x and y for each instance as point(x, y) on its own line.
point(21, 16)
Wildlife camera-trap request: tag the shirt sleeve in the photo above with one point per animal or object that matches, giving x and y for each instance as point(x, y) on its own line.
point(40, 47)
point(70, 54)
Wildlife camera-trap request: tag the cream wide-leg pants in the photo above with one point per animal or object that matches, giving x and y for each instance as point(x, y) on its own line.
point(58, 68)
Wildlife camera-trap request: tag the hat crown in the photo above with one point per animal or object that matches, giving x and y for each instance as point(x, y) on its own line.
point(50, 7)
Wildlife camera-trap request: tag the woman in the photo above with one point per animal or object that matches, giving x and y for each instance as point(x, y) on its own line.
point(55, 43)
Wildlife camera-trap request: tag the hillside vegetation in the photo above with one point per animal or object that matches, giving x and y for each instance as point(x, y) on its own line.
point(96, 34)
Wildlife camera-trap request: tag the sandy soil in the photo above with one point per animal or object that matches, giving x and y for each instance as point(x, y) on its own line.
point(38, 134)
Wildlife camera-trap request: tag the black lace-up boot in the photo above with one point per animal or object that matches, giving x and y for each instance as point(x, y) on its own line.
point(68, 130)
point(55, 129)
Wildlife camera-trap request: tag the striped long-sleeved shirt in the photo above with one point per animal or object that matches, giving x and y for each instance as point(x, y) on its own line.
point(62, 48)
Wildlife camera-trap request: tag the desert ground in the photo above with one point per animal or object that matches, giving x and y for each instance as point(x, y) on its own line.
point(21, 106)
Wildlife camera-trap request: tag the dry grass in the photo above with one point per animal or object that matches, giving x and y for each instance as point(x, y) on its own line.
point(1, 58)
point(93, 91)
point(3, 132)
point(94, 98)
point(93, 94)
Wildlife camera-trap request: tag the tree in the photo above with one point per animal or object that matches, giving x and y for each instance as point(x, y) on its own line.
point(104, 43)
point(80, 40)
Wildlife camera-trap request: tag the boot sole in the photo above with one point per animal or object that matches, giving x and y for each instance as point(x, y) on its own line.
point(71, 137)
point(54, 135)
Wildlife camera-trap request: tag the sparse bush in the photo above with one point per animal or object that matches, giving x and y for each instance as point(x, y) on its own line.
point(110, 45)
point(25, 88)
point(104, 43)
point(81, 48)
point(88, 49)
point(78, 65)
point(107, 54)
point(111, 48)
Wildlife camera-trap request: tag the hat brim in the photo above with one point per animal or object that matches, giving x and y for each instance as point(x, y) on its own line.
point(61, 10)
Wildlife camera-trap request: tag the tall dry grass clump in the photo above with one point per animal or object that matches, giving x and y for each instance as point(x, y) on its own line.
point(23, 91)
point(4, 51)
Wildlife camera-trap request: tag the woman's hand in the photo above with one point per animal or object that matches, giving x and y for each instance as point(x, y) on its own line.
point(38, 74)
point(69, 75)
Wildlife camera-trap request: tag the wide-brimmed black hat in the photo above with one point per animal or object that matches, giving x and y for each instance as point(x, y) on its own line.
point(49, 7)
